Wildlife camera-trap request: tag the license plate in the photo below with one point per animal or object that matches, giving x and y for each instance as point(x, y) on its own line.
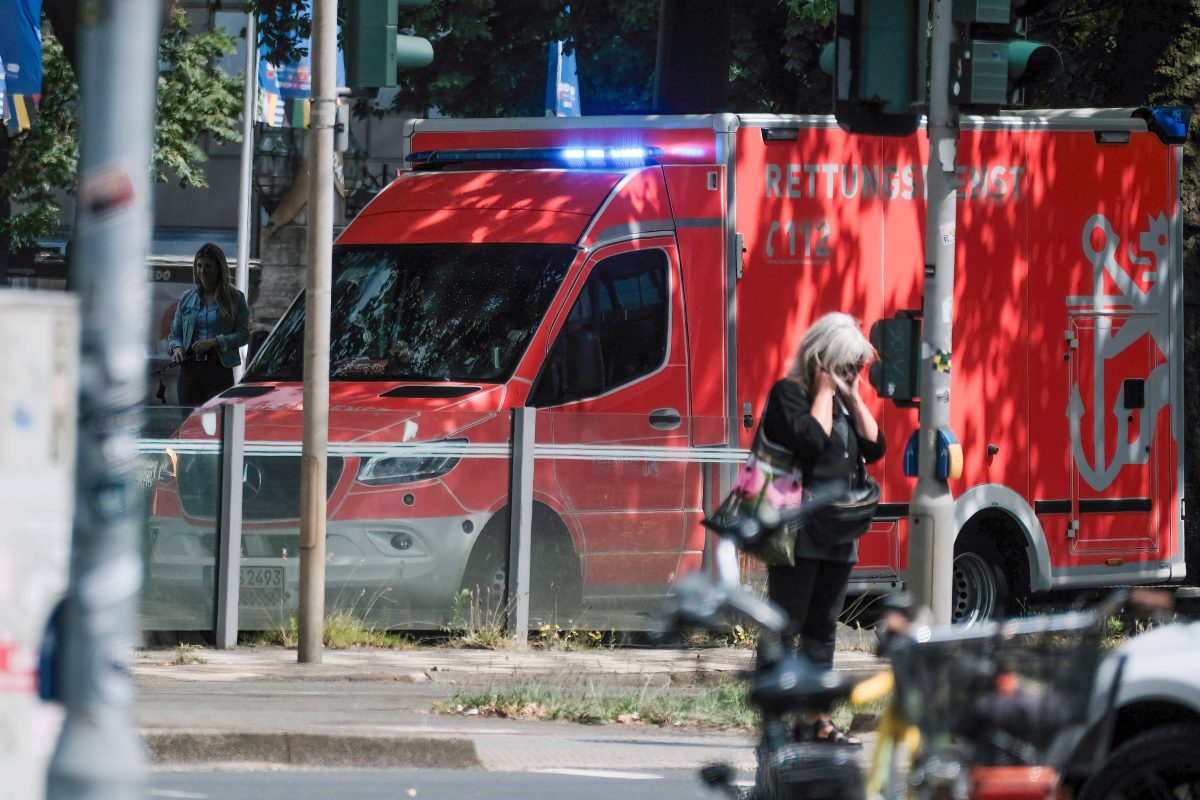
point(262, 578)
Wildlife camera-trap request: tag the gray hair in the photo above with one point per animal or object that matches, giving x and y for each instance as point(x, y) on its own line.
point(835, 341)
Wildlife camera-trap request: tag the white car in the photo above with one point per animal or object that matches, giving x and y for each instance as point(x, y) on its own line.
point(1151, 747)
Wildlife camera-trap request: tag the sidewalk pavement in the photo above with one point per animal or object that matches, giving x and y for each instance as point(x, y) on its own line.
point(367, 708)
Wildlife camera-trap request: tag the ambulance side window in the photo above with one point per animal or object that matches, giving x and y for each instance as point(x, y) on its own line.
point(615, 332)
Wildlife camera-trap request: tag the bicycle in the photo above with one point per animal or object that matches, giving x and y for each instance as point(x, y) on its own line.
point(981, 711)
point(783, 684)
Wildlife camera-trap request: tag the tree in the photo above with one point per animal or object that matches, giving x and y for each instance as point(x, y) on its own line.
point(194, 99)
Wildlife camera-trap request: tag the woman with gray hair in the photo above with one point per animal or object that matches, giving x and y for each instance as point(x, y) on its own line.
point(816, 412)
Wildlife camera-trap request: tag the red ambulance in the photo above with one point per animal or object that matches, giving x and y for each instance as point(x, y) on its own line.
point(642, 281)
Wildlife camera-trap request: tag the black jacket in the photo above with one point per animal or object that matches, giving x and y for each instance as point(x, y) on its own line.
point(787, 421)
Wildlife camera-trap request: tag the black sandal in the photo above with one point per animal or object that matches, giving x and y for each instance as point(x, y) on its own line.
point(825, 732)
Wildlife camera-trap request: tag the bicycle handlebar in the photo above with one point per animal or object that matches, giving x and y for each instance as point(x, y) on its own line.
point(697, 600)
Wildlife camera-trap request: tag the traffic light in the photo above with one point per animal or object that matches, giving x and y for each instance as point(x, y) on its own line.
point(993, 62)
point(895, 375)
point(877, 61)
point(374, 51)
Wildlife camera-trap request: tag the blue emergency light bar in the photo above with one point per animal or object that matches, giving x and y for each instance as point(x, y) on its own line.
point(580, 157)
point(1171, 124)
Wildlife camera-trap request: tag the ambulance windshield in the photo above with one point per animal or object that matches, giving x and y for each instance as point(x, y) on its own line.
point(430, 312)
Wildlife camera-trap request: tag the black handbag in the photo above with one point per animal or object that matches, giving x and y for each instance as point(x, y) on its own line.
point(844, 520)
point(766, 490)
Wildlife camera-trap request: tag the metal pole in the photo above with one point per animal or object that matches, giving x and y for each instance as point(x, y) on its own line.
point(316, 332)
point(229, 552)
point(99, 754)
point(249, 96)
point(931, 528)
point(520, 521)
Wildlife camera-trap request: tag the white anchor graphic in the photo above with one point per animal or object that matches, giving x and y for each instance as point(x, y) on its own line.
point(1150, 313)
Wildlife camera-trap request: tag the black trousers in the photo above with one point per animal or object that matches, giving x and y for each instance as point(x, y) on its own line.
point(812, 593)
point(200, 380)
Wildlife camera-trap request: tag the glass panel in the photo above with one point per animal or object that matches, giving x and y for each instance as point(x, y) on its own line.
point(417, 535)
point(410, 498)
point(620, 500)
point(181, 469)
point(425, 313)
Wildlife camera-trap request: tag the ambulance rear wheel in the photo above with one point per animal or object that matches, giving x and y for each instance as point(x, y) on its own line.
point(554, 596)
point(979, 586)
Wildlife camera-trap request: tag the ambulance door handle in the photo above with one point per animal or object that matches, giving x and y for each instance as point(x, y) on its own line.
point(665, 419)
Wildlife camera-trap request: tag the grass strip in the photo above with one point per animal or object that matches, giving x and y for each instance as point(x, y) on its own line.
point(340, 632)
point(720, 706)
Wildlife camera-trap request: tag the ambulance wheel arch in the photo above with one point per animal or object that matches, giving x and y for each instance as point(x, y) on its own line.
point(1000, 553)
point(554, 569)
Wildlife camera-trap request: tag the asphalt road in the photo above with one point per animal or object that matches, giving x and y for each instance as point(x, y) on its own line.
point(294, 784)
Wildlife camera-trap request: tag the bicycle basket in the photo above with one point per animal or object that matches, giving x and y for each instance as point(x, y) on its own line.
point(809, 771)
point(1008, 691)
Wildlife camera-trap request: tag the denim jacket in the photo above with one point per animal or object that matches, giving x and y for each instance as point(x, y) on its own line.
point(232, 332)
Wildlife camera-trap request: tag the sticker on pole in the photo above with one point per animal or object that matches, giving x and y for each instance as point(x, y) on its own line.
point(947, 229)
point(941, 361)
point(105, 192)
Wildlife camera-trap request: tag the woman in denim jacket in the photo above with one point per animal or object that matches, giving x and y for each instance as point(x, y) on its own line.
point(211, 322)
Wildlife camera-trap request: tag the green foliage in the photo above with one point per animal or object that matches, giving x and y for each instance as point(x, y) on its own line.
point(340, 631)
point(720, 706)
point(280, 26)
point(195, 98)
point(489, 56)
point(187, 654)
point(479, 620)
point(615, 48)
point(820, 12)
point(775, 52)
point(774, 66)
point(42, 159)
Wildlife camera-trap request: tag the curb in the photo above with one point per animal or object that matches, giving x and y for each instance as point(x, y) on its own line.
point(310, 749)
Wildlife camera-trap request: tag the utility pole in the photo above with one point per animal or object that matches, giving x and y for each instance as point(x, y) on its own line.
point(245, 209)
point(99, 753)
point(931, 526)
point(316, 332)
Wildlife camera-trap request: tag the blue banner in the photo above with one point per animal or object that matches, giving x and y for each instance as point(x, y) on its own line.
point(21, 57)
point(284, 90)
point(562, 84)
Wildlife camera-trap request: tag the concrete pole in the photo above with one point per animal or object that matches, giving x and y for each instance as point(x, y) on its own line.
point(99, 753)
point(931, 528)
point(249, 98)
point(316, 332)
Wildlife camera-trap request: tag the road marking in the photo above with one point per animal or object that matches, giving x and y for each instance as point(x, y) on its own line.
point(600, 773)
point(176, 794)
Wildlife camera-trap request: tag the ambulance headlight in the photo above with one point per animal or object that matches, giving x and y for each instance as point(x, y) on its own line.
point(411, 464)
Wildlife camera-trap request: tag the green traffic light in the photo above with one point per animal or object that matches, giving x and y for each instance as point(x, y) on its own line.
point(828, 60)
point(373, 49)
point(412, 52)
point(994, 72)
point(1032, 62)
point(896, 373)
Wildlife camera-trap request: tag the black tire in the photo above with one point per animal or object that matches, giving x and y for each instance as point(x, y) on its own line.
point(555, 593)
point(980, 585)
point(1160, 764)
